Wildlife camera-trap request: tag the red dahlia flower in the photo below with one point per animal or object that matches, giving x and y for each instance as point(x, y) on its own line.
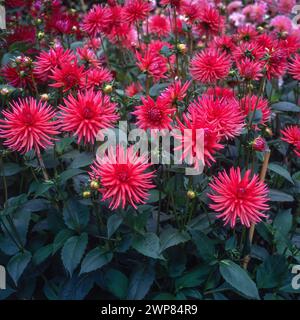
point(236, 197)
point(136, 10)
point(86, 114)
point(68, 76)
point(250, 70)
point(210, 22)
point(123, 177)
point(250, 103)
point(28, 125)
point(96, 20)
point(294, 67)
point(224, 113)
point(191, 123)
point(153, 115)
point(291, 135)
point(209, 66)
point(96, 77)
point(47, 61)
point(159, 25)
point(152, 63)
point(175, 92)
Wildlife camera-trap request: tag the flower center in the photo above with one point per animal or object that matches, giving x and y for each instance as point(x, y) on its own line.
point(28, 119)
point(70, 80)
point(123, 176)
point(88, 112)
point(154, 115)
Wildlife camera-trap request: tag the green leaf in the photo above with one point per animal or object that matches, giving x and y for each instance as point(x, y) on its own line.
point(113, 223)
point(279, 196)
point(171, 237)
point(95, 259)
point(73, 251)
point(68, 174)
point(76, 215)
point(147, 244)
point(140, 281)
point(272, 272)
point(17, 265)
point(193, 278)
point(281, 171)
point(116, 283)
point(60, 239)
point(42, 254)
point(286, 107)
point(283, 222)
point(154, 196)
point(238, 278)
point(82, 160)
point(205, 246)
point(10, 169)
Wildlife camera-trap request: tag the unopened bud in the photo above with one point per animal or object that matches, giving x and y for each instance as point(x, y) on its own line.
point(259, 144)
point(86, 194)
point(191, 194)
point(95, 185)
point(108, 89)
point(182, 48)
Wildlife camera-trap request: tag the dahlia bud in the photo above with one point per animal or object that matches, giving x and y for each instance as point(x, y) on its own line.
point(72, 10)
point(200, 45)
point(269, 132)
point(204, 37)
point(191, 194)
point(232, 73)
point(38, 21)
point(86, 194)
point(22, 73)
point(27, 61)
point(95, 185)
point(4, 91)
point(284, 34)
point(108, 89)
point(44, 97)
point(74, 28)
point(181, 47)
point(41, 35)
point(18, 59)
point(259, 144)
point(260, 29)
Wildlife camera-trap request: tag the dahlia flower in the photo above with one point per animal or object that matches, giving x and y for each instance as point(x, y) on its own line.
point(250, 103)
point(68, 76)
point(159, 25)
point(152, 63)
point(238, 197)
point(123, 177)
point(189, 126)
point(96, 20)
point(47, 61)
point(153, 114)
point(291, 135)
point(224, 113)
point(136, 10)
point(95, 77)
point(294, 67)
point(250, 70)
point(175, 92)
point(209, 66)
point(28, 125)
point(86, 114)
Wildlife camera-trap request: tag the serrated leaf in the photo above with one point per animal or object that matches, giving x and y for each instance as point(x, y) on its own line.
point(82, 160)
point(113, 223)
point(279, 169)
point(95, 259)
point(73, 251)
point(171, 237)
point(116, 283)
point(17, 265)
point(76, 215)
point(238, 278)
point(140, 281)
point(147, 244)
point(60, 239)
point(42, 254)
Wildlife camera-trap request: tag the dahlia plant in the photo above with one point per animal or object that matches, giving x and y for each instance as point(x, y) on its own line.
point(150, 149)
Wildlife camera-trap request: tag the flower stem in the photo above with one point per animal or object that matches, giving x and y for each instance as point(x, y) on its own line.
point(42, 165)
